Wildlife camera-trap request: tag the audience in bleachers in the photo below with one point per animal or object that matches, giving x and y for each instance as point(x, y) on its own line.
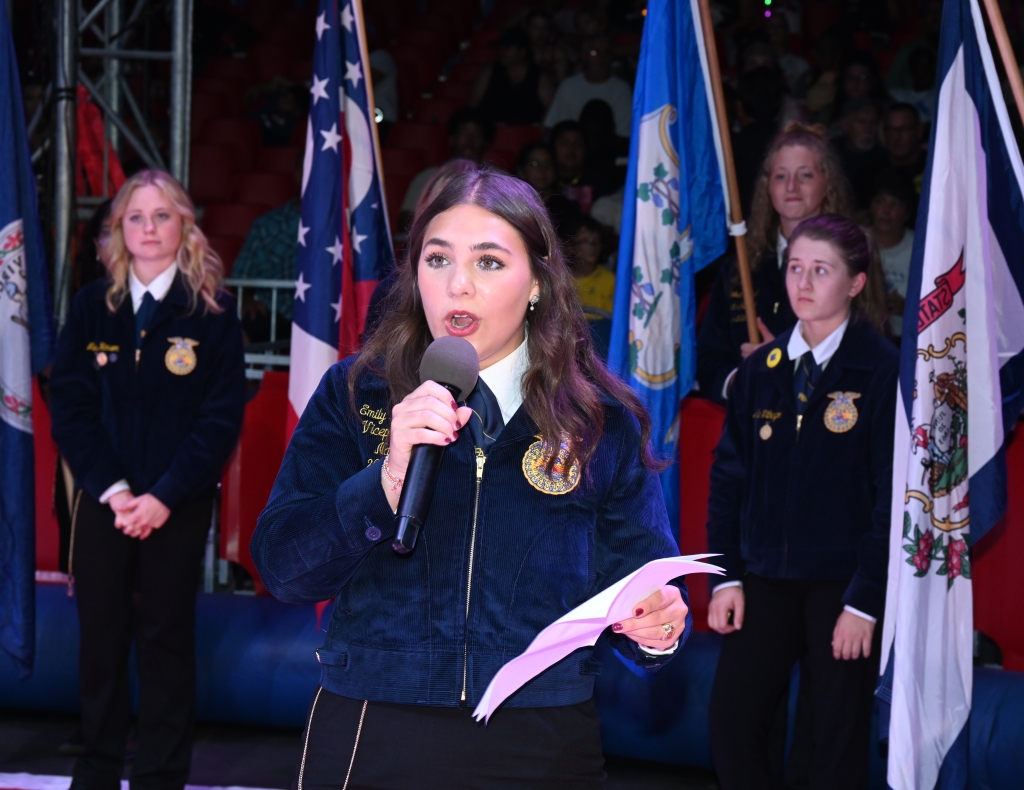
point(513, 89)
point(536, 166)
point(893, 204)
point(595, 81)
point(901, 135)
point(858, 146)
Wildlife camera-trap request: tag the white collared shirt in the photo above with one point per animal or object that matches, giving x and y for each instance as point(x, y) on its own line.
point(505, 379)
point(823, 352)
point(159, 287)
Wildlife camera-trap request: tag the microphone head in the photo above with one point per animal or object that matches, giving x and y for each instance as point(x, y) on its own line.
point(453, 361)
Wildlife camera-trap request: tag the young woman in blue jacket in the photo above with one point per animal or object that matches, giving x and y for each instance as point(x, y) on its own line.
point(147, 398)
point(547, 494)
point(799, 511)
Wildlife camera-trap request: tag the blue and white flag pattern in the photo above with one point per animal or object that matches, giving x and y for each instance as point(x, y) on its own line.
point(26, 342)
point(673, 222)
point(960, 389)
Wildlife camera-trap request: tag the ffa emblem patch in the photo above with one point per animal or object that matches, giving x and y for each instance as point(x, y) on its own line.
point(775, 357)
point(180, 358)
point(841, 414)
point(561, 480)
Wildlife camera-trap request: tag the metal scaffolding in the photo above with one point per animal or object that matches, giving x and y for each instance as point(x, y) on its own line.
point(123, 46)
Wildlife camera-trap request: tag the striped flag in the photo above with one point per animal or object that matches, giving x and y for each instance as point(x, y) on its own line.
point(26, 342)
point(960, 390)
point(344, 239)
point(673, 222)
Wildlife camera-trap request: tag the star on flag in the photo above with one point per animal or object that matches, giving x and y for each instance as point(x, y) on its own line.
point(303, 230)
point(319, 89)
point(336, 251)
point(354, 73)
point(321, 25)
point(331, 139)
point(301, 286)
point(346, 17)
point(357, 240)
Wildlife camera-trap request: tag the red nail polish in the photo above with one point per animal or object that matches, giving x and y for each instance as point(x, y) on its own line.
point(455, 405)
point(456, 434)
point(447, 440)
point(458, 424)
point(617, 627)
point(639, 612)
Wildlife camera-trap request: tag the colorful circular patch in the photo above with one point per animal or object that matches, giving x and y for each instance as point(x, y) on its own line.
point(775, 357)
point(841, 414)
point(560, 481)
point(180, 358)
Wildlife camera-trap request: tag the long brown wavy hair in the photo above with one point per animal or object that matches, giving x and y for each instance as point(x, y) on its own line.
point(565, 384)
point(855, 247)
point(764, 219)
point(201, 267)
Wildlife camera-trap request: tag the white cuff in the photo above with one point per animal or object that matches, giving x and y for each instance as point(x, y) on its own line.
point(859, 613)
point(723, 585)
point(652, 652)
point(728, 381)
point(117, 488)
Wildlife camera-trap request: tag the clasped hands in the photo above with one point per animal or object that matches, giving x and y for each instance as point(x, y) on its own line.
point(138, 516)
point(647, 627)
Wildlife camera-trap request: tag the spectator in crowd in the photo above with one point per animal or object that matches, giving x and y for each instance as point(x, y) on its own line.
point(921, 93)
point(829, 55)
point(570, 147)
point(757, 109)
point(470, 133)
point(902, 134)
point(513, 89)
point(284, 105)
point(594, 282)
point(88, 261)
point(536, 166)
point(892, 207)
point(605, 149)
point(269, 253)
point(608, 210)
point(595, 82)
point(858, 145)
point(384, 75)
point(900, 73)
point(795, 70)
point(801, 177)
point(545, 48)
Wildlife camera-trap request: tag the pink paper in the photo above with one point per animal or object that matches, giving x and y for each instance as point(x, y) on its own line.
point(583, 625)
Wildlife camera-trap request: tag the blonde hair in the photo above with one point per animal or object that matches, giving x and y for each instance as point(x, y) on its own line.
point(764, 219)
point(201, 268)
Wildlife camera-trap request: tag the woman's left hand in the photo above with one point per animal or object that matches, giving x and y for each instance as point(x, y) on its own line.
point(141, 516)
point(852, 637)
point(647, 627)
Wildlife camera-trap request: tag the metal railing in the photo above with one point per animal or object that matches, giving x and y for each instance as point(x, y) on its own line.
point(274, 353)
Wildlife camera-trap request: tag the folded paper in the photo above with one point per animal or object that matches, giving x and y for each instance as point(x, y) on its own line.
point(583, 625)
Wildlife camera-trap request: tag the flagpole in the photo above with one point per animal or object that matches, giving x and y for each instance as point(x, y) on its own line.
point(995, 18)
point(736, 210)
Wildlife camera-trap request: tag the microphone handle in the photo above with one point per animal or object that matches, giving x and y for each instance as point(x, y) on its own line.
point(418, 491)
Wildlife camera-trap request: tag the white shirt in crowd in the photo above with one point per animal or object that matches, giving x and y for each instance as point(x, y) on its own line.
point(574, 93)
point(896, 265)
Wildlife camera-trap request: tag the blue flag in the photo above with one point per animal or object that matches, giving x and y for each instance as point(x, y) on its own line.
point(26, 341)
point(960, 389)
point(673, 222)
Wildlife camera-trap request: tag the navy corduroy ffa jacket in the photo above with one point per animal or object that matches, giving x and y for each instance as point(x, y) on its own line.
point(497, 561)
point(811, 504)
point(113, 419)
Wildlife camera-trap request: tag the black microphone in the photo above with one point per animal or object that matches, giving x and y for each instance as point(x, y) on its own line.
point(454, 364)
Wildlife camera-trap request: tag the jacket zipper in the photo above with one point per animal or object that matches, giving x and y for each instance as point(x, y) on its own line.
point(799, 422)
point(481, 459)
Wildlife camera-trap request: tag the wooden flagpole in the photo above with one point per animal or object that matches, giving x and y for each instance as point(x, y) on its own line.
point(995, 18)
point(736, 210)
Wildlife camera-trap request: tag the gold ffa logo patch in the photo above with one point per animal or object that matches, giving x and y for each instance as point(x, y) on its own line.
point(180, 358)
point(561, 480)
point(841, 414)
point(775, 357)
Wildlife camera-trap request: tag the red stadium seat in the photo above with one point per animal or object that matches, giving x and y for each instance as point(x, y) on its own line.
point(457, 91)
point(206, 107)
point(480, 56)
point(227, 247)
point(274, 64)
point(436, 110)
point(231, 219)
point(279, 160)
point(242, 134)
point(513, 138)
point(502, 158)
point(232, 68)
point(464, 72)
point(402, 161)
point(268, 189)
point(395, 188)
point(301, 70)
point(207, 84)
point(212, 173)
point(422, 37)
point(431, 139)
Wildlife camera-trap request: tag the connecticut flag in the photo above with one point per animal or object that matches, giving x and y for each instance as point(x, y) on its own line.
point(26, 341)
point(344, 240)
point(960, 391)
point(673, 221)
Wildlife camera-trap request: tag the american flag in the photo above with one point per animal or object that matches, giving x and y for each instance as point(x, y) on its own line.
point(344, 239)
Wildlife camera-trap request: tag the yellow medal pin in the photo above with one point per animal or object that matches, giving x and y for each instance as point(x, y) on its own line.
point(841, 414)
point(766, 431)
point(180, 358)
point(774, 357)
point(561, 480)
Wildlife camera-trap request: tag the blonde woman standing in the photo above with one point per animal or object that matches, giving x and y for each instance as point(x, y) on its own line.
point(148, 394)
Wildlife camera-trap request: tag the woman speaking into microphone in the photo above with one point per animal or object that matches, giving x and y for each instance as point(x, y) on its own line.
point(547, 494)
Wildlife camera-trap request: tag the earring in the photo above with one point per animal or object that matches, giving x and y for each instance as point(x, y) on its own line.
point(533, 301)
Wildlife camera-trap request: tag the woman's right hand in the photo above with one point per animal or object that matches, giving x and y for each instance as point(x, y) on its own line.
point(725, 600)
point(427, 415)
point(746, 349)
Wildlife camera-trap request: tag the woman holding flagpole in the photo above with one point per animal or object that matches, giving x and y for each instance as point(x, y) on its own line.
point(547, 494)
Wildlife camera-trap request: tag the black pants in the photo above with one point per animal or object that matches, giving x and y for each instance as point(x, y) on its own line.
point(412, 746)
point(786, 621)
point(126, 587)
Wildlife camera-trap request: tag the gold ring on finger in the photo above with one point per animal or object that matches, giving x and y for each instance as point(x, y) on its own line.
point(667, 629)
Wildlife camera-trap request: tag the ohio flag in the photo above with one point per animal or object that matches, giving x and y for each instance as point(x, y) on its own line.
point(673, 222)
point(960, 391)
point(26, 340)
point(344, 240)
